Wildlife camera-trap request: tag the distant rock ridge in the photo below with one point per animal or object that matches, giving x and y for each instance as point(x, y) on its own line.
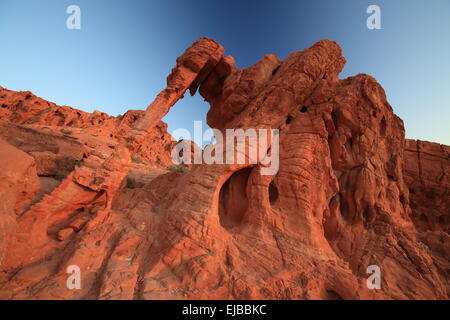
point(101, 192)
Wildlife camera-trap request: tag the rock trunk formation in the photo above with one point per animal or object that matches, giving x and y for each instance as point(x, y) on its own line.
point(99, 192)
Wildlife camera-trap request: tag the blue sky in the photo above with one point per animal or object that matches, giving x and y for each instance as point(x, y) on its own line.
point(120, 58)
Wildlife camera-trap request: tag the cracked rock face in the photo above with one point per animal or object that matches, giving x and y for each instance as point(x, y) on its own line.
point(350, 192)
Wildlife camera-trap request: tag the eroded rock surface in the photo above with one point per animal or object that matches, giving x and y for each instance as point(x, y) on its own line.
point(350, 192)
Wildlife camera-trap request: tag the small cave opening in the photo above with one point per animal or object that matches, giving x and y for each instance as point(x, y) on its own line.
point(403, 201)
point(233, 200)
point(4, 105)
point(349, 144)
point(304, 109)
point(345, 210)
point(369, 215)
point(334, 117)
point(273, 193)
point(289, 119)
point(383, 127)
point(274, 71)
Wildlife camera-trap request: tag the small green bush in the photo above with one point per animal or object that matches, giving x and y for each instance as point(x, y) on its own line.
point(211, 253)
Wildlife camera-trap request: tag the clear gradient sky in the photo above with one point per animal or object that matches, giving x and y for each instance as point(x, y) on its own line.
point(120, 58)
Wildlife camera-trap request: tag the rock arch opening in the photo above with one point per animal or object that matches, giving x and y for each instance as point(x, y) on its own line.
point(233, 200)
point(183, 114)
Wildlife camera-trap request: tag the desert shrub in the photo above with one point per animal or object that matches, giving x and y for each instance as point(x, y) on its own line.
point(66, 131)
point(211, 253)
point(423, 246)
point(179, 168)
point(136, 159)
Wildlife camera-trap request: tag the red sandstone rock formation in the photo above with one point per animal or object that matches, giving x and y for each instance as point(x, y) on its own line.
point(426, 172)
point(350, 192)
